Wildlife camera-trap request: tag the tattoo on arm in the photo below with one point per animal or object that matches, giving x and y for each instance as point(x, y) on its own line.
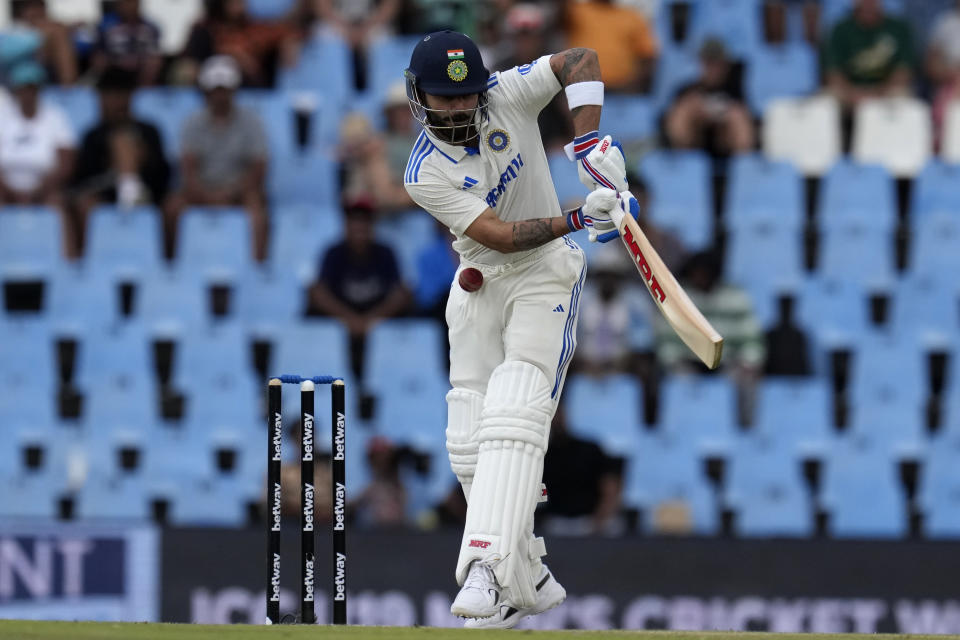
point(529, 234)
point(579, 65)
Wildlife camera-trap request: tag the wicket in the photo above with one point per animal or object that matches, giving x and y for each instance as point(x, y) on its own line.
point(307, 530)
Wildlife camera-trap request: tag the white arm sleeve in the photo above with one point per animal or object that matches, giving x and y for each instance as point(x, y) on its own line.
point(456, 209)
point(530, 87)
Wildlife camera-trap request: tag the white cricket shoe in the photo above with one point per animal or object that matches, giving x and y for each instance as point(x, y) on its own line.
point(550, 593)
point(480, 595)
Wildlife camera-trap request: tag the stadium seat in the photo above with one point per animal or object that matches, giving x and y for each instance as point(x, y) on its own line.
point(33, 492)
point(936, 190)
point(79, 103)
point(764, 192)
point(857, 196)
point(664, 472)
point(327, 51)
point(736, 22)
point(27, 353)
point(631, 117)
point(116, 359)
point(933, 251)
point(174, 18)
point(893, 132)
point(796, 413)
point(885, 369)
point(765, 488)
point(124, 498)
point(170, 304)
point(307, 179)
point(299, 236)
point(928, 308)
point(275, 110)
point(212, 502)
point(167, 109)
point(416, 227)
point(607, 410)
point(404, 348)
point(702, 410)
point(214, 244)
point(30, 242)
point(269, 9)
point(387, 58)
point(412, 411)
point(680, 200)
point(862, 493)
point(123, 245)
point(895, 424)
point(784, 71)
point(938, 488)
point(268, 300)
point(570, 191)
point(859, 255)
point(804, 131)
point(675, 68)
point(314, 346)
point(216, 356)
point(762, 254)
point(834, 312)
point(81, 302)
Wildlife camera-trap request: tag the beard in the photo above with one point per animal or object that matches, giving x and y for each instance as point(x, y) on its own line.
point(454, 128)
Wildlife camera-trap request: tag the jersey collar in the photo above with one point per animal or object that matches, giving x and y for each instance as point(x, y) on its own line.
point(453, 153)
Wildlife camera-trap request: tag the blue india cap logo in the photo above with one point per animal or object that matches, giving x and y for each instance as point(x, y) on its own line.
point(498, 140)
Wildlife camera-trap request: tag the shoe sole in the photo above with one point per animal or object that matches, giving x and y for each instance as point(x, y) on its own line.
point(533, 611)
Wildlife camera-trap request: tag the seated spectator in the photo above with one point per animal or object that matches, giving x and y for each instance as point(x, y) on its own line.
point(127, 40)
point(56, 53)
point(383, 502)
point(358, 281)
point(622, 37)
point(710, 113)
point(584, 486)
point(37, 147)
point(224, 149)
point(121, 159)
point(527, 30)
point(227, 29)
point(943, 64)
point(868, 55)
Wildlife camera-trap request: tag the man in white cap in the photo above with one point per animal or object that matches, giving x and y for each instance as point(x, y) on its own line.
point(223, 153)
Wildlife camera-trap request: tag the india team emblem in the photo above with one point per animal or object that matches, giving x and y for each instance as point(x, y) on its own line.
point(498, 140)
point(457, 70)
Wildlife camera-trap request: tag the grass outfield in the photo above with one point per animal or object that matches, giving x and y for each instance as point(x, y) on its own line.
point(34, 630)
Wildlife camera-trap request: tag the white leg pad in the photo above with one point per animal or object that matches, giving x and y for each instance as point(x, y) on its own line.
point(463, 420)
point(513, 434)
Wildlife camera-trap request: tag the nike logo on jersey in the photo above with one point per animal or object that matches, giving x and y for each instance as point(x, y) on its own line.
point(558, 308)
point(468, 182)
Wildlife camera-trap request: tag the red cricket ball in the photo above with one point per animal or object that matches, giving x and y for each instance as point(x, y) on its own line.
point(470, 279)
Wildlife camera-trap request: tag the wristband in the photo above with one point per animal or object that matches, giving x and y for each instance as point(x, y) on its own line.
point(582, 145)
point(581, 93)
point(575, 220)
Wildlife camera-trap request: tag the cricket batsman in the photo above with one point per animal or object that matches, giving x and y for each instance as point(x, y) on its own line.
point(479, 167)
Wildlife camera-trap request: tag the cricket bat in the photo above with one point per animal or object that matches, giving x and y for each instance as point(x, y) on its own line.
point(680, 312)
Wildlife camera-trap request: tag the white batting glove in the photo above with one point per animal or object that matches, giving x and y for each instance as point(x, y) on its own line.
point(594, 215)
point(600, 163)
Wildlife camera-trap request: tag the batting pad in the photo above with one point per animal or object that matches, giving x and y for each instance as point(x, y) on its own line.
point(514, 426)
point(463, 421)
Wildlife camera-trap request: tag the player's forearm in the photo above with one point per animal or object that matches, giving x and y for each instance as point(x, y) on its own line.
point(529, 234)
point(579, 65)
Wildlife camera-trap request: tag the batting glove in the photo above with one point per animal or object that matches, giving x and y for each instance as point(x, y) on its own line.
point(600, 163)
point(595, 213)
point(629, 206)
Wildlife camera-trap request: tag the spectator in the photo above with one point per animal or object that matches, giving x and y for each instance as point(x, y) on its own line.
point(37, 147)
point(943, 64)
point(227, 29)
point(776, 16)
point(584, 485)
point(868, 55)
point(121, 159)
point(527, 29)
point(383, 502)
point(359, 281)
point(710, 113)
point(56, 52)
point(224, 150)
point(622, 37)
point(359, 22)
point(127, 40)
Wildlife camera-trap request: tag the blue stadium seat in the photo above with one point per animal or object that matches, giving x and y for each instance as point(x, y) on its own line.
point(933, 250)
point(167, 108)
point(764, 255)
point(118, 359)
point(607, 410)
point(123, 245)
point(170, 304)
point(27, 406)
point(861, 492)
point(214, 243)
point(764, 192)
point(30, 242)
point(315, 346)
point(416, 227)
point(216, 357)
point(411, 410)
point(888, 369)
point(123, 498)
point(300, 235)
point(835, 312)
point(632, 117)
point(857, 196)
point(796, 413)
point(895, 425)
point(860, 256)
point(404, 348)
point(80, 104)
point(216, 502)
point(27, 353)
point(388, 56)
point(269, 299)
point(269, 9)
point(936, 190)
point(275, 110)
point(701, 409)
point(307, 179)
point(675, 68)
point(662, 472)
point(788, 70)
point(927, 306)
point(938, 488)
point(765, 488)
point(566, 181)
point(32, 492)
point(334, 86)
point(128, 403)
point(736, 22)
point(679, 183)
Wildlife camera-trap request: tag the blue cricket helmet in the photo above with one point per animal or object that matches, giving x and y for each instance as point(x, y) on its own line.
point(447, 63)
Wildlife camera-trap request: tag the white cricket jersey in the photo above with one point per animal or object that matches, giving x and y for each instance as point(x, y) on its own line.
point(508, 173)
